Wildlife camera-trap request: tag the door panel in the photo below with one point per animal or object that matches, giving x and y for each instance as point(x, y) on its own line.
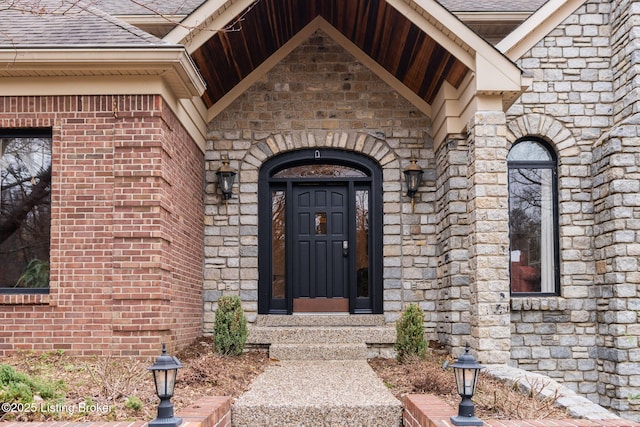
point(320, 224)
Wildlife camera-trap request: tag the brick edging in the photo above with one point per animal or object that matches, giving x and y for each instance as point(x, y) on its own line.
point(212, 411)
point(420, 410)
point(423, 410)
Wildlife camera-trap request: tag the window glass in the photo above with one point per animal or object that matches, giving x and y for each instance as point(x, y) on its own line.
point(320, 170)
point(532, 214)
point(278, 230)
point(529, 151)
point(362, 243)
point(25, 210)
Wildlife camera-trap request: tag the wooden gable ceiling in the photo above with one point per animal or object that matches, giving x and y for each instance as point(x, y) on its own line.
point(378, 29)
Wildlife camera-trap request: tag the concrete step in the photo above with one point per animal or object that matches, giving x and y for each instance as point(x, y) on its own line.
point(331, 351)
point(320, 320)
point(264, 335)
point(317, 393)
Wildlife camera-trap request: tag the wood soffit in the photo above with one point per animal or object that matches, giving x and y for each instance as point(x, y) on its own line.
point(375, 27)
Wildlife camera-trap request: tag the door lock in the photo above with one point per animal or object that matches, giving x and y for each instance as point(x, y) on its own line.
point(345, 248)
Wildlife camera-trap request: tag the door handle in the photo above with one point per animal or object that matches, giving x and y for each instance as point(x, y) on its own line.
point(345, 248)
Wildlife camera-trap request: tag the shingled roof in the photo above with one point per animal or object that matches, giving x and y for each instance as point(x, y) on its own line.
point(74, 23)
point(492, 5)
point(147, 7)
point(69, 23)
point(184, 7)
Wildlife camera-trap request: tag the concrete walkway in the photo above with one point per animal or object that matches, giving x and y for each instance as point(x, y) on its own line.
point(317, 393)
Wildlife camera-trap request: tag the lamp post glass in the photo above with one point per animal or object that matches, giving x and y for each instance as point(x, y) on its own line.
point(165, 382)
point(466, 371)
point(164, 371)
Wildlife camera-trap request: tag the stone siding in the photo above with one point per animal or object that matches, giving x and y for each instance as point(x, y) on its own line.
point(321, 96)
point(584, 102)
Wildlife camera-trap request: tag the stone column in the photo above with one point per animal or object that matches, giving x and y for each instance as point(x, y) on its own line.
point(487, 207)
point(616, 196)
point(454, 327)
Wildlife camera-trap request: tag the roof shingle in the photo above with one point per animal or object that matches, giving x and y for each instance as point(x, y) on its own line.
point(492, 5)
point(147, 7)
point(68, 23)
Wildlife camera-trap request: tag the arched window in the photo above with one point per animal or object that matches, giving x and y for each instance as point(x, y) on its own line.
point(533, 218)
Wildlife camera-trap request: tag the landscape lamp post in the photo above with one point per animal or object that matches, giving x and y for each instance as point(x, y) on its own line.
point(466, 371)
point(164, 371)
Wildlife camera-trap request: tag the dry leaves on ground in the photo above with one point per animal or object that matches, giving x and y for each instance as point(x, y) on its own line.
point(117, 389)
point(493, 399)
point(122, 389)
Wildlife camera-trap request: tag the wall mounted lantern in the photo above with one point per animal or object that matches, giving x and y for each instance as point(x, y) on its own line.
point(226, 175)
point(412, 176)
point(466, 371)
point(164, 371)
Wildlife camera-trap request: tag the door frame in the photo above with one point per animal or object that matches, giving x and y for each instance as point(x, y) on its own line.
point(267, 183)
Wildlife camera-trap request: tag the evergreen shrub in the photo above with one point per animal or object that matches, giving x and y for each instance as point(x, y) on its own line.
point(230, 328)
point(410, 341)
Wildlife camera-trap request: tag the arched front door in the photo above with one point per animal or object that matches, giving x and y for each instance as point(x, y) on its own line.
point(320, 233)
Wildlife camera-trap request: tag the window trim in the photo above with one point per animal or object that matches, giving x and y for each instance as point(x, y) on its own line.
point(35, 132)
point(538, 164)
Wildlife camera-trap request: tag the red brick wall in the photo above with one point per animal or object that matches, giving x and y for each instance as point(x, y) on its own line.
point(127, 233)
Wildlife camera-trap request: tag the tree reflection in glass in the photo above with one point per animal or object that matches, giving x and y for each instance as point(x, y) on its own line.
point(25, 210)
point(531, 218)
point(278, 236)
point(362, 243)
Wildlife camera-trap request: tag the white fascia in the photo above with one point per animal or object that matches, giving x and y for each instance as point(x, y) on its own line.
point(537, 26)
point(165, 71)
point(493, 83)
point(210, 18)
point(173, 63)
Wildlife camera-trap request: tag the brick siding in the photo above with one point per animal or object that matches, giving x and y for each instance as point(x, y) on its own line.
point(126, 245)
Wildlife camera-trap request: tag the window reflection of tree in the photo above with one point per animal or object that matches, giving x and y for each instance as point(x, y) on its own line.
point(525, 200)
point(362, 243)
point(320, 170)
point(25, 205)
point(525, 224)
point(278, 236)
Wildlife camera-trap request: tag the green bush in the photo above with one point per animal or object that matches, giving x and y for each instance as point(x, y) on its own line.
point(230, 328)
point(134, 403)
point(17, 387)
point(410, 340)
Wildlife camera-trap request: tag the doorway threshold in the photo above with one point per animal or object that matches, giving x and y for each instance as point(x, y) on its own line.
point(321, 313)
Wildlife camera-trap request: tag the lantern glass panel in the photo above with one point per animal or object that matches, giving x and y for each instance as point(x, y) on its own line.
point(466, 381)
point(226, 182)
point(413, 181)
point(165, 381)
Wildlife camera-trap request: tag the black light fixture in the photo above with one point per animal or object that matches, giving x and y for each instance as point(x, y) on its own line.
point(412, 176)
point(164, 373)
point(466, 371)
point(226, 175)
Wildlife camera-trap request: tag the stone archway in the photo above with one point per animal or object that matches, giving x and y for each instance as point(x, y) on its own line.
point(363, 145)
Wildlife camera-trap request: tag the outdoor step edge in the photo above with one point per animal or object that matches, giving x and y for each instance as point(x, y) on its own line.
point(369, 335)
point(319, 351)
point(320, 320)
point(276, 416)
